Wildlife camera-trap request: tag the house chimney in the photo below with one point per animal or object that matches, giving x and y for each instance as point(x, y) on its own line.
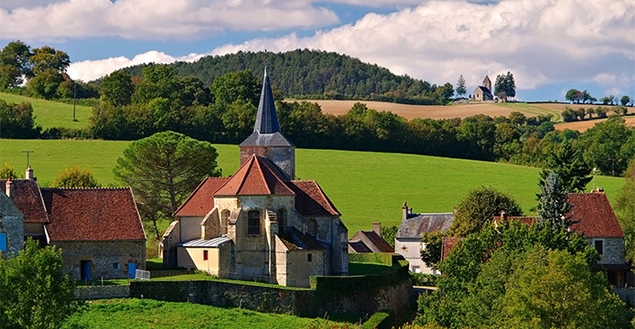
point(404, 210)
point(9, 188)
point(377, 228)
point(29, 173)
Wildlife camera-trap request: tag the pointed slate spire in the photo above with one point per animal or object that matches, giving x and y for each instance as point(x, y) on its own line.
point(267, 119)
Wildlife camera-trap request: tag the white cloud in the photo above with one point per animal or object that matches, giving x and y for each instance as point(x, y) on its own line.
point(540, 41)
point(91, 70)
point(154, 19)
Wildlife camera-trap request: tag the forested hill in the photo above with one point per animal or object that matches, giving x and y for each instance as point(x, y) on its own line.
point(318, 74)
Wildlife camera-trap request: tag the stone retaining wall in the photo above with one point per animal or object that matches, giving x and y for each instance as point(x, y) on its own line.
point(102, 292)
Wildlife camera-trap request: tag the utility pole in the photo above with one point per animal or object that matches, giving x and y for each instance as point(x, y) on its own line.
point(27, 157)
point(74, 98)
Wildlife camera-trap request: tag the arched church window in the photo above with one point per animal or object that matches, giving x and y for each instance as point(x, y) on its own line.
point(312, 227)
point(253, 222)
point(282, 219)
point(224, 217)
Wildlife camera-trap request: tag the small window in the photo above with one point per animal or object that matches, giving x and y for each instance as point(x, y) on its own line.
point(205, 255)
point(308, 258)
point(282, 218)
point(312, 227)
point(416, 269)
point(599, 246)
point(253, 222)
point(115, 266)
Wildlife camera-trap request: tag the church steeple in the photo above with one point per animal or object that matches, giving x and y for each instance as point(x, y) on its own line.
point(267, 139)
point(266, 119)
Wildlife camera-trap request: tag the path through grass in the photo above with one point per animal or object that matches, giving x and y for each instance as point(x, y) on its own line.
point(365, 187)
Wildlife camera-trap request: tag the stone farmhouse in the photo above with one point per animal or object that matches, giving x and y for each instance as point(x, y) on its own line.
point(483, 92)
point(260, 223)
point(408, 239)
point(98, 229)
point(369, 241)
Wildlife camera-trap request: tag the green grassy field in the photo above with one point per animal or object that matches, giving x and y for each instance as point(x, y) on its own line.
point(365, 187)
point(136, 313)
point(533, 109)
point(50, 114)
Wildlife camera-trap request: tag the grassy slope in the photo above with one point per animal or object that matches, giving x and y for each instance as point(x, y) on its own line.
point(135, 313)
point(50, 114)
point(364, 186)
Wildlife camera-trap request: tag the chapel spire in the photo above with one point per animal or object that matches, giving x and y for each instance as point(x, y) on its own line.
point(266, 119)
point(267, 140)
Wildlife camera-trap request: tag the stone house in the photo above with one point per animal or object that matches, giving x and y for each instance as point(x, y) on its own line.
point(261, 223)
point(369, 241)
point(11, 222)
point(598, 224)
point(98, 229)
point(408, 239)
point(483, 92)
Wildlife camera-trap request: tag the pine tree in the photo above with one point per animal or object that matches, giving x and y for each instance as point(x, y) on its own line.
point(460, 87)
point(553, 203)
point(568, 164)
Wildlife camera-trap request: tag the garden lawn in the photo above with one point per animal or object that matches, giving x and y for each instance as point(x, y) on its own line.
point(49, 114)
point(147, 313)
point(365, 187)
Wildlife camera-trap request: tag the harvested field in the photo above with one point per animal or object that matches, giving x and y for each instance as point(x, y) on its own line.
point(443, 112)
point(581, 126)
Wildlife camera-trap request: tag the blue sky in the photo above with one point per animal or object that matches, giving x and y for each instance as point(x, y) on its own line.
point(549, 45)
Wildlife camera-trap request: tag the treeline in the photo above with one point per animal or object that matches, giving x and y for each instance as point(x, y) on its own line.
point(315, 74)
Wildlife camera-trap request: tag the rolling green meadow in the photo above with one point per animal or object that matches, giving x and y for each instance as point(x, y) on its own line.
point(147, 313)
point(365, 187)
point(49, 114)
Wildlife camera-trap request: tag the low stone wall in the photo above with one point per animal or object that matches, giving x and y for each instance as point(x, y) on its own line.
point(360, 295)
point(102, 292)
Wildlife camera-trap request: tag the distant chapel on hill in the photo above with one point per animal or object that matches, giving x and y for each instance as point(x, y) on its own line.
point(484, 92)
point(260, 223)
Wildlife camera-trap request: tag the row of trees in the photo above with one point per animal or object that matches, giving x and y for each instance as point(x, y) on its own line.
point(584, 97)
point(44, 71)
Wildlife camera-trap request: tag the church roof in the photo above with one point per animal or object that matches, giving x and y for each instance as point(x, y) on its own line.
point(28, 198)
point(257, 176)
point(595, 215)
point(92, 214)
point(310, 200)
point(266, 120)
point(274, 139)
point(484, 89)
point(201, 201)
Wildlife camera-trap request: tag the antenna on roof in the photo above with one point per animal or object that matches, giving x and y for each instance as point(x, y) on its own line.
point(27, 157)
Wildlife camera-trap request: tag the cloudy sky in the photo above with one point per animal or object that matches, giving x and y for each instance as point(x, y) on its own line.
point(549, 45)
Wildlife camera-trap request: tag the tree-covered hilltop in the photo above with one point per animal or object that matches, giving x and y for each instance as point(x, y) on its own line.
point(306, 74)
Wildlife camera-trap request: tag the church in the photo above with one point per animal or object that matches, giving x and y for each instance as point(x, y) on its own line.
point(261, 223)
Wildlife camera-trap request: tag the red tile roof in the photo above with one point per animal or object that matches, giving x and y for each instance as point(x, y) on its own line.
point(595, 214)
point(257, 176)
point(201, 201)
point(310, 200)
point(448, 245)
point(28, 198)
point(92, 214)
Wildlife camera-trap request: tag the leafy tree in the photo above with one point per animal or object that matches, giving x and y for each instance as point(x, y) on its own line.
point(46, 83)
point(625, 100)
point(14, 64)
point(75, 177)
point(625, 210)
point(241, 85)
point(388, 233)
point(460, 87)
point(117, 88)
point(586, 97)
point(34, 292)
point(553, 201)
point(574, 95)
point(480, 207)
point(163, 170)
point(7, 171)
point(608, 146)
point(17, 121)
point(505, 86)
point(555, 289)
point(47, 58)
point(567, 163)
point(431, 254)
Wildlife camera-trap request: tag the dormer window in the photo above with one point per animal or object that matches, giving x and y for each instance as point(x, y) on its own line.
point(253, 222)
